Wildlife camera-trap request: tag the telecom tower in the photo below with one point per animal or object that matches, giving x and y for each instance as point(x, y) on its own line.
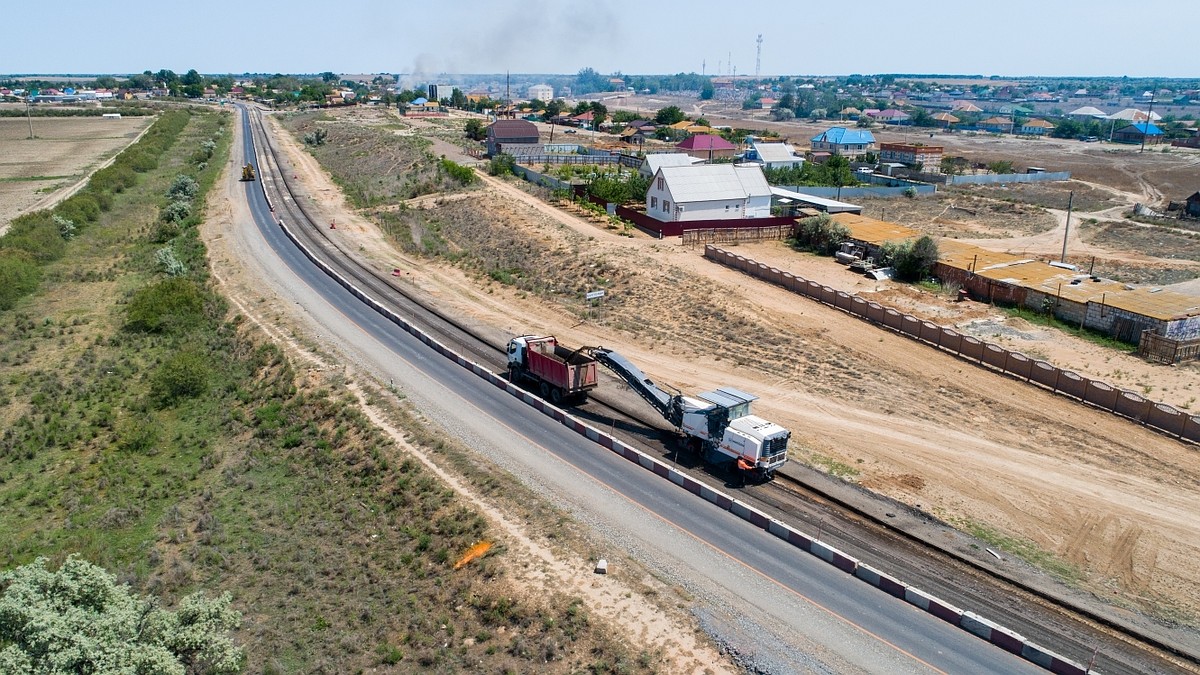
point(758, 58)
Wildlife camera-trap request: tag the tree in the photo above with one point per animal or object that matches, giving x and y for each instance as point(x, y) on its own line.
point(78, 620)
point(458, 99)
point(329, 77)
point(474, 130)
point(782, 114)
point(707, 92)
point(820, 234)
point(912, 260)
point(553, 108)
point(669, 115)
point(599, 113)
point(192, 78)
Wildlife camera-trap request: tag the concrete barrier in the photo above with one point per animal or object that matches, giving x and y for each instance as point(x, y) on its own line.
point(883, 582)
point(1072, 384)
point(833, 556)
point(1045, 374)
point(842, 300)
point(910, 325)
point(935, 606)
point(1167, 418)
point(892, 318)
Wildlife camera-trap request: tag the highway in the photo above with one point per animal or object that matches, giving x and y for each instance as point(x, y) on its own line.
point(803, 614)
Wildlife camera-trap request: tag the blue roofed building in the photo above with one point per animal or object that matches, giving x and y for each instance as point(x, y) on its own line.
point(1138, 132)
point(843, 141)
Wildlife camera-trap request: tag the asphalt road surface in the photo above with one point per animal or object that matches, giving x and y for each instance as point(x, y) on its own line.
point(781, 609)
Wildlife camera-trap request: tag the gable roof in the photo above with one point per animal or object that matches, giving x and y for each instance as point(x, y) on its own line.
point(996, 121)
point(657, 161)
point(1144, 128)
point(1038, 123)
point(842, 136)
point(1135, 115)
point(776, 152)
point(501, 129)
point(1090, 111)
point(712, 182)
point(705, 142)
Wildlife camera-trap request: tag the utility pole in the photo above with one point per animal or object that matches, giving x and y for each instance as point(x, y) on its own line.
point(1149, 117)
point(703, 66)
point(758, 58)
point(29, 114)
point(729, 62)
point(1067, 229)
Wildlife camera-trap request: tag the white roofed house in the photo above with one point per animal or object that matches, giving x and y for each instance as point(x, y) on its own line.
point(656, 161)
point(774, 155)
point(709, 192)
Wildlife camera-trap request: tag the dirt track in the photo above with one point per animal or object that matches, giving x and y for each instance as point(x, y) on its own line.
point(1113, 503)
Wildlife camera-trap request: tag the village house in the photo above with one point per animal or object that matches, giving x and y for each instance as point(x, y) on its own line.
point(707, 146)
point(996, 124)
point(709, 192)
point(508, 135)
point(843, 141)
point(656, 161)
point(774, 155)
point(1139, 132)
point(918, 156)
point(1035, 127)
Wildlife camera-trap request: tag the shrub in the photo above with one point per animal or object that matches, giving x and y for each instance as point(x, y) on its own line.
point(820, 234)
point(177, 211)
point(502, 164)
point(81, 208)
point(169, 263)
point(173, 304)
point(66, 228)
point(19, 275)
point(36, 234)
point(183, 188)
point(465, 175)
point(115, 179)
point(912, 260)
point(185, 374)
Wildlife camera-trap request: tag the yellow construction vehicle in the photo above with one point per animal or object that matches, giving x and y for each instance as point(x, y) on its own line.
point(248, 172)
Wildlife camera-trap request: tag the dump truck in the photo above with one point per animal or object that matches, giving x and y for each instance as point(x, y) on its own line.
point(248, 172)
point(559, 374)
point(717, 424)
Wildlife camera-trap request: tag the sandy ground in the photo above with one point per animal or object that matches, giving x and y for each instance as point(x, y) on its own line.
point(1115, 501)
point(66, 150)
point(539, 569)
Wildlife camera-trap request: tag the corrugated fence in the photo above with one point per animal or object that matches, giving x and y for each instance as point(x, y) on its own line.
point(1158, 416)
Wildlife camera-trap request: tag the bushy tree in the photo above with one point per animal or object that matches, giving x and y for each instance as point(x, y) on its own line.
point(77, 619)
point(501, 164)
point(475, 130)
point(820, 234)
point(912, 260)
point(669, 115)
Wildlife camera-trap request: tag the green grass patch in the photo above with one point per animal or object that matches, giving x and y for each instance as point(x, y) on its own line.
point(1026, 550)
point(833, 467)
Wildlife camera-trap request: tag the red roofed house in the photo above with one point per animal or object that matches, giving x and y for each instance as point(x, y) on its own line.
point(707, 146)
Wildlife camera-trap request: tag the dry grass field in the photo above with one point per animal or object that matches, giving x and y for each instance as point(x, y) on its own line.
point(65, 150)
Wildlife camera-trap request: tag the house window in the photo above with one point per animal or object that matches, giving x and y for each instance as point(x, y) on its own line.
point(654, 202)
point(660, 182)
point(666, 206)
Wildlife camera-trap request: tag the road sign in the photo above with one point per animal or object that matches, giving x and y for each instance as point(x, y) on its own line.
point(595, 295)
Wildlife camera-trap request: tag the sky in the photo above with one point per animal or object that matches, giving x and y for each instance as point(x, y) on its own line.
point(1009, 38)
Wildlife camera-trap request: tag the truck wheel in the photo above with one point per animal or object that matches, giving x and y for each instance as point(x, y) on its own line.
point(544, 390)
point(556, 395)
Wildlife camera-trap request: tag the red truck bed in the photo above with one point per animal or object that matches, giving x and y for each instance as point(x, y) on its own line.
point(564, 368)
